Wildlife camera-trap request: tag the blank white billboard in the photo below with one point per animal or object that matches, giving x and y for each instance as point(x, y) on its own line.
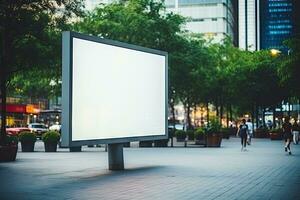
point(116, 91)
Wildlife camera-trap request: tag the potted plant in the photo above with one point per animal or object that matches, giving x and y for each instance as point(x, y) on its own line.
point(180, 135)
point(27, 140)
point(190, 134)
point(276, 134)
point(50, 140)
point(213, 134)
point(199, 136)
point(9, 148)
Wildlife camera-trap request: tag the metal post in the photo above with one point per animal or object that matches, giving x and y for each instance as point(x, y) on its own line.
point(115, 156)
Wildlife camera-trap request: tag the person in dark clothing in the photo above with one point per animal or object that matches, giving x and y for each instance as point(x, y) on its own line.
point(287, 134)
point(243, 132)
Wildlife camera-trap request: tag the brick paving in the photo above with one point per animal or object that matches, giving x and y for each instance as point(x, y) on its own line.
point(265, 171)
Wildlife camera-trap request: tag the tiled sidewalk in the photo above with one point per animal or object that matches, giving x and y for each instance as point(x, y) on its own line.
point(265, 171)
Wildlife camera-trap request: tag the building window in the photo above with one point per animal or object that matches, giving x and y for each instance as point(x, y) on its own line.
point(214, 19)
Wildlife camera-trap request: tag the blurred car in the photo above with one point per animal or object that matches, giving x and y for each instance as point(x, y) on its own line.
point(16, 130)
point(55, 127)
point(38, 128)
point(177, 126)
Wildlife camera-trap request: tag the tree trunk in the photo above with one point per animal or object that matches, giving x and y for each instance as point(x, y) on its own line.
point(207, 112)
point(221, 112)
point(195, 117)
point(3, 109)
point(230, 113)
point(256, 115)
point(263, 117)
point(252, 117)
point(188, 117)
point(274, 117)
point(289, 111)
point(227, 116)
point(3, 80)
point(217, 108)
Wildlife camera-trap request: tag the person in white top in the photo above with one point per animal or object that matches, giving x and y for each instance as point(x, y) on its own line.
point(250, 131)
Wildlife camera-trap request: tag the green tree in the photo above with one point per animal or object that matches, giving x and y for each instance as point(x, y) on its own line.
point(144, 23)
point(26, 39)
point(289, 70)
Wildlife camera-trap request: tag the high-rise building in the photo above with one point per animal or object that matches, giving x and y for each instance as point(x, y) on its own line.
point(265, 24)
point(278, 23)
point(214, 19)
point(248, 21)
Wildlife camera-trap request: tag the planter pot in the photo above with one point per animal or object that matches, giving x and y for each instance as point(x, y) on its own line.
point(260, 133)
point(75, 149)
point(27, 146)
point(145, 143)
point(213, 140)
point(276, 136)
point(161, 143)
point(8, 153)
point(50, 146)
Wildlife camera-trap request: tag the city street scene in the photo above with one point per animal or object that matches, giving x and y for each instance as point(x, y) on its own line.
point(149, 99)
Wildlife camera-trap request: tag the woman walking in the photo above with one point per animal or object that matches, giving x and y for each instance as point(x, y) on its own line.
point(295, 131)
point(287, 134)
point(243, 132)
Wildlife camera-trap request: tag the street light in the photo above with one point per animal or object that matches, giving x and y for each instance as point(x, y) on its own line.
point(275, 52)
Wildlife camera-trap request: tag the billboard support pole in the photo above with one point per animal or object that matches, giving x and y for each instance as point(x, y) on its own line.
point(115, 156)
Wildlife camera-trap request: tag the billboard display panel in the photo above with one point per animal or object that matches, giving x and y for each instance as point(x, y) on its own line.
point(112, 91)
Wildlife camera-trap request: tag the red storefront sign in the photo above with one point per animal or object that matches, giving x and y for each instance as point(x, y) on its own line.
point(15, 108)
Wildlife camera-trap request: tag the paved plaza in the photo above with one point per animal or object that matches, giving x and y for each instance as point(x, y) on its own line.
point(265, 171)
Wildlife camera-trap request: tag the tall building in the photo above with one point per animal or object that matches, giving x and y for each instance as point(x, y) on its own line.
point(214, 19)
point(278, 23)
point(265, 24)
point(248, 21)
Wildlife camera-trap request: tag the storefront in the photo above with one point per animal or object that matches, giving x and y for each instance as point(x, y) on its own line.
point(19, 115)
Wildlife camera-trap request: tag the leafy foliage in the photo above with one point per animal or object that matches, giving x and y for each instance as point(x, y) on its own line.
point(27, 137)
point(51, 137)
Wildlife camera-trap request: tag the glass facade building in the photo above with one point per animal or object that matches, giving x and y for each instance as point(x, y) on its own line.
point(278, 21)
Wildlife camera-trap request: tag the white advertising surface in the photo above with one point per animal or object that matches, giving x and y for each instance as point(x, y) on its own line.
point(117, 92)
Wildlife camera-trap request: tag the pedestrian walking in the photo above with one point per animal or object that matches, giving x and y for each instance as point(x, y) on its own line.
point(295, 131)
point(287, 134)
point(250, 131)
point(243, 133)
